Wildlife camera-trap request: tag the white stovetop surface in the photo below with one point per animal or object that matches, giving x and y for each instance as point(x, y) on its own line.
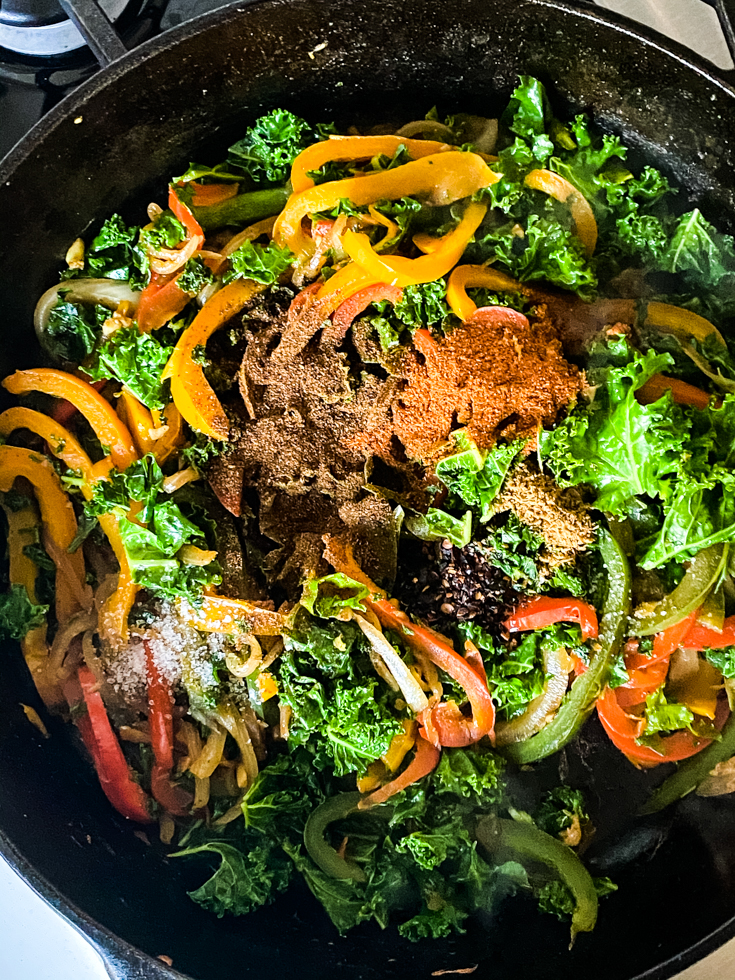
point(35, 942)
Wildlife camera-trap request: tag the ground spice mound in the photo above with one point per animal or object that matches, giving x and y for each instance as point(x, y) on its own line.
point(559, 515)
point(497, 375)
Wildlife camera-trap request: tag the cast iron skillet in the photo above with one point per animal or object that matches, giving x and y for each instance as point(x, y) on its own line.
point(111, 146)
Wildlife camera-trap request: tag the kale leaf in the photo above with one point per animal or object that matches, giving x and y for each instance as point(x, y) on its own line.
point(270, 146)
point(476, 476)
point(18, 615)
point(558, 809)
point(136, 359)
point(243, 881)
point(114, 253)
point(262, 263)
point(615, 444)
point(72, 330)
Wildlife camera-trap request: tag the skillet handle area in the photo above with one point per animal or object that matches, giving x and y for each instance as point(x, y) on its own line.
point(128, 965)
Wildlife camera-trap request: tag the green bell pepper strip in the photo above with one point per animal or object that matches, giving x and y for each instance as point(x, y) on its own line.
point(530, 842)
point(691, 773)
point(580, 701)
point(243, 209)
point(705, 570)
point(321, 853)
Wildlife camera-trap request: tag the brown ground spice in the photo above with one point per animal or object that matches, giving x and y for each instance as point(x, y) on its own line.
point(497, 375)
point(560, 515)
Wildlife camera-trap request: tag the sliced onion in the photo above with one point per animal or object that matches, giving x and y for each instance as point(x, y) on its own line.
point(423, 127)
point(169, 260)
point(542, 708)
point(410, 688)
point(106, 292)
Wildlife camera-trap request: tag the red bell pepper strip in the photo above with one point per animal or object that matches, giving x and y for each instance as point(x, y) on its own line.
point(113, 772)
point(542, 610)
point(160, 720)
point(664, 643)
point(352, 307)
point(425, 760)
point(182, 212)
point(160, 301)
point(624, 729)
point(647, 674)
point(701, 637)
point(445, 723)
point(643, 681)
point(681, 392)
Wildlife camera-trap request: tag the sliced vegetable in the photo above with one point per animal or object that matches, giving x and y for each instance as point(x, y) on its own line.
point(160, 720)
point(690, 593)
point(410, 689)
point(684, 323)
point(689, 775)
point(464, 277)
point(533, 844)
point(400, 271)
point(322, 854)
point(356, 304)
point(344, 148)
point(534, 614)
point(541, 710)
point(580, 701)
point(160, 302)
point(681, 392)
point(116, 780)
point(559, 188)
point(440, 178)
point(425, 760)
point(99, 413)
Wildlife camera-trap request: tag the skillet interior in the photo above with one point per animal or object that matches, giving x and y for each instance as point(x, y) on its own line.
point(189, 95)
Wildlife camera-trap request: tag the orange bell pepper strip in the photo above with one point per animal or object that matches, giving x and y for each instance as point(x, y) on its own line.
point(173, 437)
point(63, 411)
point(57, 515)
point(681, 392)
point(425, 760)
point(138, 420)
point(220, 614)
point(560, 189)
point(344, 148)
point(441, 178)
point(683, 323)
point(99, 413)
point(191, 392)
point(542, 610)
point(208, 194)
point(399, 271)
point(60, 441)
point(347, 281)
point(466, 276)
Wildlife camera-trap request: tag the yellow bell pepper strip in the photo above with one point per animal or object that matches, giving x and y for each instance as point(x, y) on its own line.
point(192, 393)
point(560, 189)
point(267, 686)
point(400, 746)
point(441, 178)
point(99, 413)
point(682, 323)
point(347, 281)
point(399, 271)
point(138, 420)
point(23, 529)
point(466, 276)
point(220, 614)
point(114, 613)
point(344, 148)
point(57, 515)
point(59, 440)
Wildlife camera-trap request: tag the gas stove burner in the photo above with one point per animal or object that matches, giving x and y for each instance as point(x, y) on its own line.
point(41, 29)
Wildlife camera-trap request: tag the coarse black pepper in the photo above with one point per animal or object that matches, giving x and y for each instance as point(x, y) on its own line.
point(442, 585)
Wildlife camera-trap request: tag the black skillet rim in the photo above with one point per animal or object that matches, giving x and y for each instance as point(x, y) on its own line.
point(121, 958)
